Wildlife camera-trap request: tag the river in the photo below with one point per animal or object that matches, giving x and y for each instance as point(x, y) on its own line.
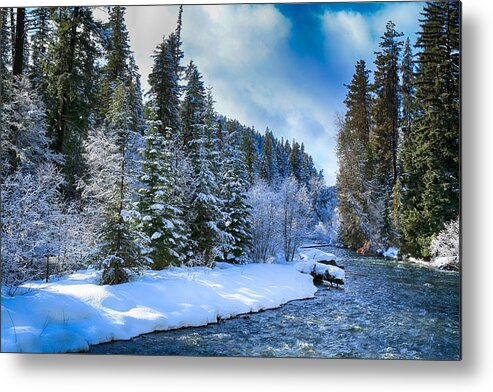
point(385, 310)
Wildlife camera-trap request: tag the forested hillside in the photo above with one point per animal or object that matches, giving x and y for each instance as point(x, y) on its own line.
point(94, 173)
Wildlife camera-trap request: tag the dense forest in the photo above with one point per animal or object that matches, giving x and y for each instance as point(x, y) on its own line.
point(95, 173)
point(399, 142)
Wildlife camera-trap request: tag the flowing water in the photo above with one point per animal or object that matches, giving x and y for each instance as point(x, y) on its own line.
point(385, 310)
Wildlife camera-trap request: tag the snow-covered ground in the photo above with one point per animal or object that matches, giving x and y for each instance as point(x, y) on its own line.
point(70, 314)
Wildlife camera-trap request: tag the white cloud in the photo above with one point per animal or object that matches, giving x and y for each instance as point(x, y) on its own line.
point(351, 36)
point(350, 28)
point(146, 26)
point(243, 52)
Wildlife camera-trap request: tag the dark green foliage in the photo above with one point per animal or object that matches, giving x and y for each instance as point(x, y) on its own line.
point(295, 159)
point(384, 136)
point(206, 215)
point(237, 225)
point(5, 59)
point(431, 155)
point(117, 54)
point(407, 176)
point(161, 218)
point(165, 89)
point(357, 217)
point(42, 32)
point(20, 42)
point(250, 154)
point(268, 168)
point(71, 89)
point(193, 106)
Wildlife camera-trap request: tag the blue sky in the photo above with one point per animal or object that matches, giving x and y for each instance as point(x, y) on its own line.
point(279, 66)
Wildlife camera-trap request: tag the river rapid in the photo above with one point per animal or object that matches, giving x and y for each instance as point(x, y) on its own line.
point(385, 310)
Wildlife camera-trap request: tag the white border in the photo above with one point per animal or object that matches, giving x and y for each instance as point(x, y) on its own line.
point(473, 373)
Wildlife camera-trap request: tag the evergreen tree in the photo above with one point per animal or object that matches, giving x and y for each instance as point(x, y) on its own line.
point(296, 161)
point(206, 214)
point(164, 86)
point(385, 134)
point(117, 54)
point(175, 45)
point(407, 89)
point(249, 154)
point(19, 42)
point(161, 218)
point(431, 164)
point(24, 143)
point(5, 61)
point(71, 89)
point(282, 159)
point(193, 106)
point(107, 193)
point(237, 223)
point(407, 113)
point(354, 182)
point(42, 31)
point(268, 168)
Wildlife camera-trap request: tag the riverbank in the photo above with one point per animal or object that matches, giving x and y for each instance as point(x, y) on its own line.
point(386, 310)
point(74, 312)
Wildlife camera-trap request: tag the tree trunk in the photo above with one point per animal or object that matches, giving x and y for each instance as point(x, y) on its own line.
point(19, 42)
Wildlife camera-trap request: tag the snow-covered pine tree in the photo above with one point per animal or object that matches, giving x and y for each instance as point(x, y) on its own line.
point(206, 215)
point(161, 216)
point(213, 145)
point(192, 108)
point(234, 185)
point(108, 195)
point(24, 142)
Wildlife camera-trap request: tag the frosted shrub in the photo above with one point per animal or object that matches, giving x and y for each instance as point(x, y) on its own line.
point(446, 243)
point(38, 226)
point(295, 215)
point(265, 226)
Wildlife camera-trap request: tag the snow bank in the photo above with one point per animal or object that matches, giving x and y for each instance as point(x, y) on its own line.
point(446, 263)
point(391, 252)
point(317, 255)
point(307, 267)
point(70, 314)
